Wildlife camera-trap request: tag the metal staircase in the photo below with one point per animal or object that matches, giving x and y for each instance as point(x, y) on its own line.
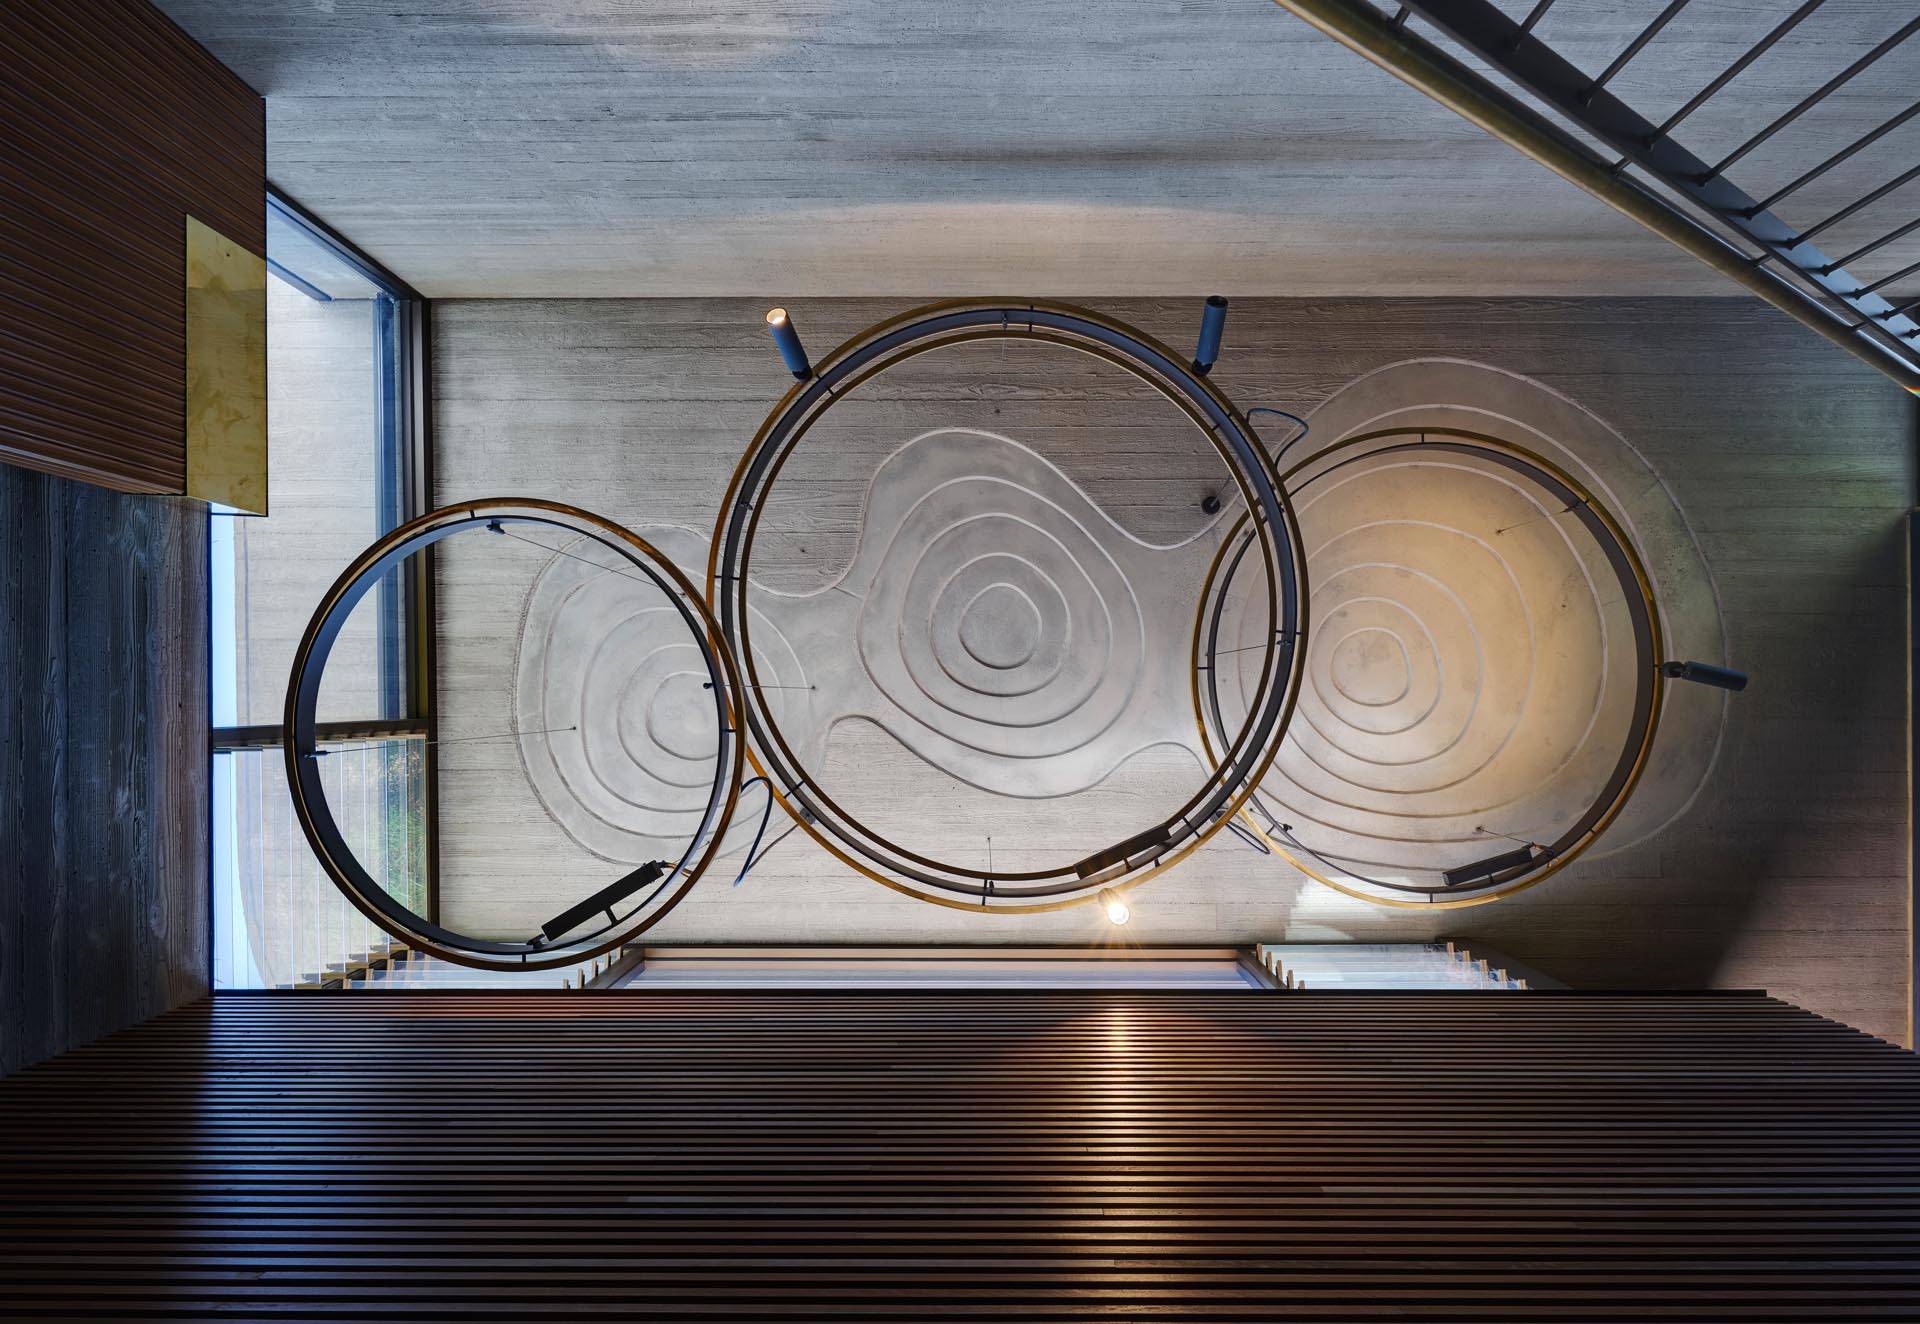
point(1569, 119)
point(395, 966)
point(1328, 966)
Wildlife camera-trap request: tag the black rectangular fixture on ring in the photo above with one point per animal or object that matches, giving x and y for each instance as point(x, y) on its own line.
point(1124, 851)
point(1490, 866)
point(605, 899)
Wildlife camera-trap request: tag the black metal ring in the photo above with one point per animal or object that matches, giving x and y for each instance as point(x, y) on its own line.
point(302, 754)
point(1245, 758)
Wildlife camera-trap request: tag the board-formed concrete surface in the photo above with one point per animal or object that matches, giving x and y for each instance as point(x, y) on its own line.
point(815, 148)
point(994, 621)
point(1788, 467)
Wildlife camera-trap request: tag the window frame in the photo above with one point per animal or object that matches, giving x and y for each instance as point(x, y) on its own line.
point(403, 490)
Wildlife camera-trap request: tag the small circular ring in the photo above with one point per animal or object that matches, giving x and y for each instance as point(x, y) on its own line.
point(626, 917)
point(1246, 756)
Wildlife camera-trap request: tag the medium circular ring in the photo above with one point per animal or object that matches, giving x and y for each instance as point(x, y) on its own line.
point(300, 739)
point(1248, 753)
point(1642, 610)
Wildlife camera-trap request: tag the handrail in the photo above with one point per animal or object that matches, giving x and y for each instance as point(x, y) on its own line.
point(1467, 93)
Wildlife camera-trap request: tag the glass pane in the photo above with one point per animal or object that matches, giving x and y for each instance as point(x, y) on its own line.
point(335, 360)
point(278, 919)
point(324, 504)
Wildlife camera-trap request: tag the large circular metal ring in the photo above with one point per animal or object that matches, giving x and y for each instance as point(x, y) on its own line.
point(1247, 753)
point(1532, 861)
point(632, 903)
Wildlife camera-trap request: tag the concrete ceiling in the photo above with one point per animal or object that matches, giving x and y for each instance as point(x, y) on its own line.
point(786, 148)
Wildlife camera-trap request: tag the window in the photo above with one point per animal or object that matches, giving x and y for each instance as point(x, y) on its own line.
point(347, 462)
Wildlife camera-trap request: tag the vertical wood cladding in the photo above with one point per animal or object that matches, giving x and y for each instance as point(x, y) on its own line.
point(1060, 1156)
point(117, 127)
point(103, 761)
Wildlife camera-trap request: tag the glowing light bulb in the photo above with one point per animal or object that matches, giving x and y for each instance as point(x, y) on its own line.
point(1118, 911)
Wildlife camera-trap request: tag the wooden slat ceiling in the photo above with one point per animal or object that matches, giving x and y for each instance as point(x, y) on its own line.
point(117, 128)
point(1249, 1156)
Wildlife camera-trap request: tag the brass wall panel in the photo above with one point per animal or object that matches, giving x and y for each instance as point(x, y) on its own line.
point(226, 371)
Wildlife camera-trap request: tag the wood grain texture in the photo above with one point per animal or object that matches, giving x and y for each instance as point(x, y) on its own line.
point(118, 127)
point(103, 761)
point(984, 1156)
point(1794, 466)
point(789, 148)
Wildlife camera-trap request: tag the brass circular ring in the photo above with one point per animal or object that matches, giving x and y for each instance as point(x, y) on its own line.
point(1246, 755)
point(1650, 692)
point(303, 753)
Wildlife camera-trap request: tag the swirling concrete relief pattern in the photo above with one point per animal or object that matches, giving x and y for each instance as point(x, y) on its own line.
point(1003, 627)
point(1009, 631)
point(1469, 667)
point(620, 741)
point(1471, 672)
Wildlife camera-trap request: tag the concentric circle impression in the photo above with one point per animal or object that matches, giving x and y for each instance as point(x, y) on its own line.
point(1482, 681)
point(995, 625)
point(620, 743)
point(999, 629)
point(1032, 651)
point(675, 692)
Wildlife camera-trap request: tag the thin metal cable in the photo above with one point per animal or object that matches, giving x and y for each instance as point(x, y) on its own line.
point(1826, 90)
point(1863, 141)
point(1881, 242)
point(1871, 198)
point(1734, 70)
point(1635, 46)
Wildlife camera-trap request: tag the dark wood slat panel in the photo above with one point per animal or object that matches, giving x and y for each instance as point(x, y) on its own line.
point(121, 126)
point(62, 332)
point(988, 1156)
point(66, 456)
point(197, 162)
point(62, 395)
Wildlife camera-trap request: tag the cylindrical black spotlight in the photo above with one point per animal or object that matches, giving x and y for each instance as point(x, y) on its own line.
point(791, 350)
point(1213, 325)
point(1705, 673)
